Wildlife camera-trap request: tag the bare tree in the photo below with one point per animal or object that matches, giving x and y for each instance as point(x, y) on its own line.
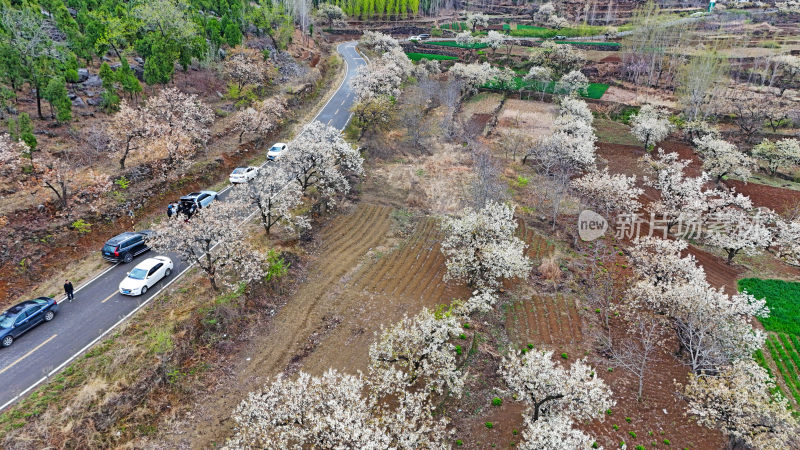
point(637, 351)
point(487, 185)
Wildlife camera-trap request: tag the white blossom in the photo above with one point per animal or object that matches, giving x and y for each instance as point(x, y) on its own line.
point(777, 154)
point(650, 125)
point(276, 196)
point(473, 75)
point(556, 397)
point(553, 433)
point(494, 39)
point(615, 192)
point(721, 158)
point(11, 154)
point(481, 248)
point(334, 411)
point(213, 240)
point(417, 353)
point(741, 401)
point(574, 82)
point(261, 118)
point(378, 41)
point(787, 240)
point(476, 19)
point(321, 157)
point(383, 76)
point(742, 231)
point(465, 39)
point(575, 107)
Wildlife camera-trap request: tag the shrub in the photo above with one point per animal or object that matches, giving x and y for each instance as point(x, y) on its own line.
point(466, 325)
point(565, 356)
point(595, 444)
point(497, 401)
point(81, 226)
point(276, 266)
point(615, 427)
point(458, 350)
point(666, 441)
point(632, 434)
point(628, 419)
point(522, 181)
point(122, 182)
point(640, 447)
point(459, 442)
point(530, 346)
point(489, 425)
point(462, 336)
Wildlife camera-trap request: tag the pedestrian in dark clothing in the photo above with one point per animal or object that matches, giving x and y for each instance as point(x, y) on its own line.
point(170, 210)
point(68, 289)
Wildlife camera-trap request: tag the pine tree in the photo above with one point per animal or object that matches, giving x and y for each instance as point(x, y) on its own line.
point(56, 94)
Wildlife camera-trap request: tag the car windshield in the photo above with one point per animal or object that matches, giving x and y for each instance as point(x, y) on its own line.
point(137, 274)
point(275, 149)
point(239, 170)
point(7, 320)
point(109, 248)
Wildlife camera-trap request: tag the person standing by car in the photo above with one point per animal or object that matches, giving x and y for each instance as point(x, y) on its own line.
point(68, 289)
point(170, 210)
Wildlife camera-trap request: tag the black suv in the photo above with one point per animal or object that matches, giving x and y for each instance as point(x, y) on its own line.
point(123, 247)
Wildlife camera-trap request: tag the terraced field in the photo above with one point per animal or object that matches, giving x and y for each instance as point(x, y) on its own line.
point(414, 270)
point(544, 319)
point(538, 246)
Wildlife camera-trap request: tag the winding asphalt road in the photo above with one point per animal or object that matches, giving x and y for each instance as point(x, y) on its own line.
point(98, 307)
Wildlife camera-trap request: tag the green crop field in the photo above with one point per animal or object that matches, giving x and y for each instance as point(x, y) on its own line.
point(418, 56)
point(541, 32)
point(783, 300)
point(599, 44)
point(595, 90)
point(457, 45)
point(783, 327)
point(458, 26)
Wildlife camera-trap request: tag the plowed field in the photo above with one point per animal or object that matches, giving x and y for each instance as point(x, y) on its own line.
point(538, 247)
point(544, 319)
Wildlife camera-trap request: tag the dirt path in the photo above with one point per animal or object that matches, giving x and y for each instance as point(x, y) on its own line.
point(358, 279)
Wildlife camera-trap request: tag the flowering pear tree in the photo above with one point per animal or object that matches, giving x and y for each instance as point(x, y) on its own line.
point(129, 130)
point(494, 40)
point(542, 75)
point(261, 118)
point(721, 158)
point(416, 353)
point(787, 240)
point(560, 58)
point(481, 248)
point(321, 157)
point(777, 154)
point(574, 82)
point(213, 241)
point(577, 108)
point(677, 191)
point(658, 262)
point(378, 41)
point(608, 192)
point(383, 76)
point(246, 66)
point(698, 128)
point(330, 13)
point(276, 196)
point(555, 397)
point(742, 231)
point(180, 125)
point(553, 433)
point(741, 400)
point(650, 126)
point(473, 75)
point(334, 410)
point(475, 20)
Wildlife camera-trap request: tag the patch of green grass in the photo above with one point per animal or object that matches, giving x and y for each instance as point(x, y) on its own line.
point(598, 43)
point(595, 90)
point(616, 133)
point(418, 56)
point(541, 32)
point(457, 45)
point(783, 300)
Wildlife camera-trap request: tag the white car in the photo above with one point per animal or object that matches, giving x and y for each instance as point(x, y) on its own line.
point(243, 174)
point(276, 151)
point(145, 275)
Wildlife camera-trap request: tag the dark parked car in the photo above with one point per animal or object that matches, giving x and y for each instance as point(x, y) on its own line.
point(123, 247)
point(22, 317)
